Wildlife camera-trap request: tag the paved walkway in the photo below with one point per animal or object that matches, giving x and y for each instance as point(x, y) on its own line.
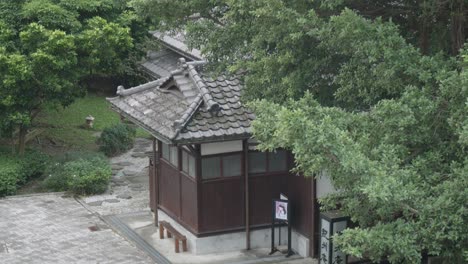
point(52, 228)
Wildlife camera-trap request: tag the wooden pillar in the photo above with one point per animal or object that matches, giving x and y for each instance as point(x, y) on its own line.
point(245, 155)
point(198, 177)
point(155, 176)
point(314, 248)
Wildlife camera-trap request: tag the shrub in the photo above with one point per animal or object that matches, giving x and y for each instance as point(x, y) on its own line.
point(88, 174)
point(32, 164)
point(9, 169)
point(16, 171)
point(116, 139)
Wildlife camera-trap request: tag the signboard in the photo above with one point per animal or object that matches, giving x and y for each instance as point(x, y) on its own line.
point(281, 210)
point(280, 216)
point(331, 223)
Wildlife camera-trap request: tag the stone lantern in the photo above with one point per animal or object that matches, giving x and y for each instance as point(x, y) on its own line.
point(89, 121)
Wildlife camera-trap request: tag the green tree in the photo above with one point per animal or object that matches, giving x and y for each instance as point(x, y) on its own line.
point(104, 47)
point(38, 67)
point(354, 97)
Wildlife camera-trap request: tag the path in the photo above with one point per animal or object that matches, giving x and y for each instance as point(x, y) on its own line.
point(128, 191)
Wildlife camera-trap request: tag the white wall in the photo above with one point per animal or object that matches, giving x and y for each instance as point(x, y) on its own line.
point(221, 147)
point(260, 238)
point(324, 185)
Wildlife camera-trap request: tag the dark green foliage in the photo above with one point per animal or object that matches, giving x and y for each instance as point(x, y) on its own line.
point(32, 164)
point(117, 139)
point(16, 171)
point(9, 169)
point(79, 173)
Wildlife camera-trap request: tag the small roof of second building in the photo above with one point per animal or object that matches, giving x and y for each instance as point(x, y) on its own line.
point(187, 106)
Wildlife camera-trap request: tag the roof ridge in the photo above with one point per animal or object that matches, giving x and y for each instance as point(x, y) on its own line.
point(121, 91)
point(211, 104)
point(180, 123)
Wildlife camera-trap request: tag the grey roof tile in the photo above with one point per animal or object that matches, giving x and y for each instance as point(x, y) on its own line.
point(202, 109)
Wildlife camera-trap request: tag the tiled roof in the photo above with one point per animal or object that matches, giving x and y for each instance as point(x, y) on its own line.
point(232, 120)
point(161, 63)
point(176, 41)
point(188, 106)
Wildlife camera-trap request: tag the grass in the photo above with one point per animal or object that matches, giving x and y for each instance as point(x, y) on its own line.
point(66, 126)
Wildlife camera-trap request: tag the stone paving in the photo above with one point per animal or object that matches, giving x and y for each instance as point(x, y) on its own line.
point(128, 191)
point(52, 228)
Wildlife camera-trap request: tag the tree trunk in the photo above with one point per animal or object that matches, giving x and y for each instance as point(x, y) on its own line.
point(457, 25)
point(424, 36)
point(23, 130)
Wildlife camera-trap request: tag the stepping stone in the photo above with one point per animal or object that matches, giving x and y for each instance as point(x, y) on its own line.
point(118, 180)
point(96, 203)
point(130, 173)
point(119, 174)
point(139, 155)
point(124, 196)
point(116, 167)
point(124, 163)
point(112, 200)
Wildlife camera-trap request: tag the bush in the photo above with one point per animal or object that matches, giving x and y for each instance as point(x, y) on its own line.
point(32, 164)
point(16, 171)
point(89, 174)
point(117, 139)
point(9, 169)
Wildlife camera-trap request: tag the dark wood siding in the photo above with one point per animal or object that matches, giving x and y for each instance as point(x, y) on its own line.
point(169, 191)
point(217, 206)
point(222, 205)
point(300, 195)
point(263, 189)
point(152, 185)
point(189, 210)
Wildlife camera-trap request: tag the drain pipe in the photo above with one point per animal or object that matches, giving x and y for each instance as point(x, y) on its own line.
point(246, 191)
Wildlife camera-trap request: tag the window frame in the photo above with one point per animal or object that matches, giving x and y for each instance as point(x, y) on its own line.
point(221, 166)
point(189, 155)
point(268, 170)
point(170, 151)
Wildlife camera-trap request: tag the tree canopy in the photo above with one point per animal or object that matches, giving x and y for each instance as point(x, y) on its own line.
point(50, 48)
point(348, 87)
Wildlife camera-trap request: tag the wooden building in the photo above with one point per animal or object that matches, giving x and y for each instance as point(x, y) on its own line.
point(206, 175)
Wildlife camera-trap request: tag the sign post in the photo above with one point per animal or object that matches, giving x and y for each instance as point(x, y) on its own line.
point(280, 215)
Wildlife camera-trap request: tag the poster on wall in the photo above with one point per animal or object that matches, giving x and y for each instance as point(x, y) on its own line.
point(281, 210)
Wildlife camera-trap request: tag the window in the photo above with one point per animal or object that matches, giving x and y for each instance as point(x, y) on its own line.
point(231, 165)
point(277, 161)
point(221, 166)
point(264, 162)
point(257, 162)
point(170, 154)
point(188, 163)
point(165, 151)
point(211, 167)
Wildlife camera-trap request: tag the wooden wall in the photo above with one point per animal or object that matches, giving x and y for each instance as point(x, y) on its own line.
point(222, 205)
point(152, 185)
point(300, 194)
point(218, 206)
point(263, 189)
